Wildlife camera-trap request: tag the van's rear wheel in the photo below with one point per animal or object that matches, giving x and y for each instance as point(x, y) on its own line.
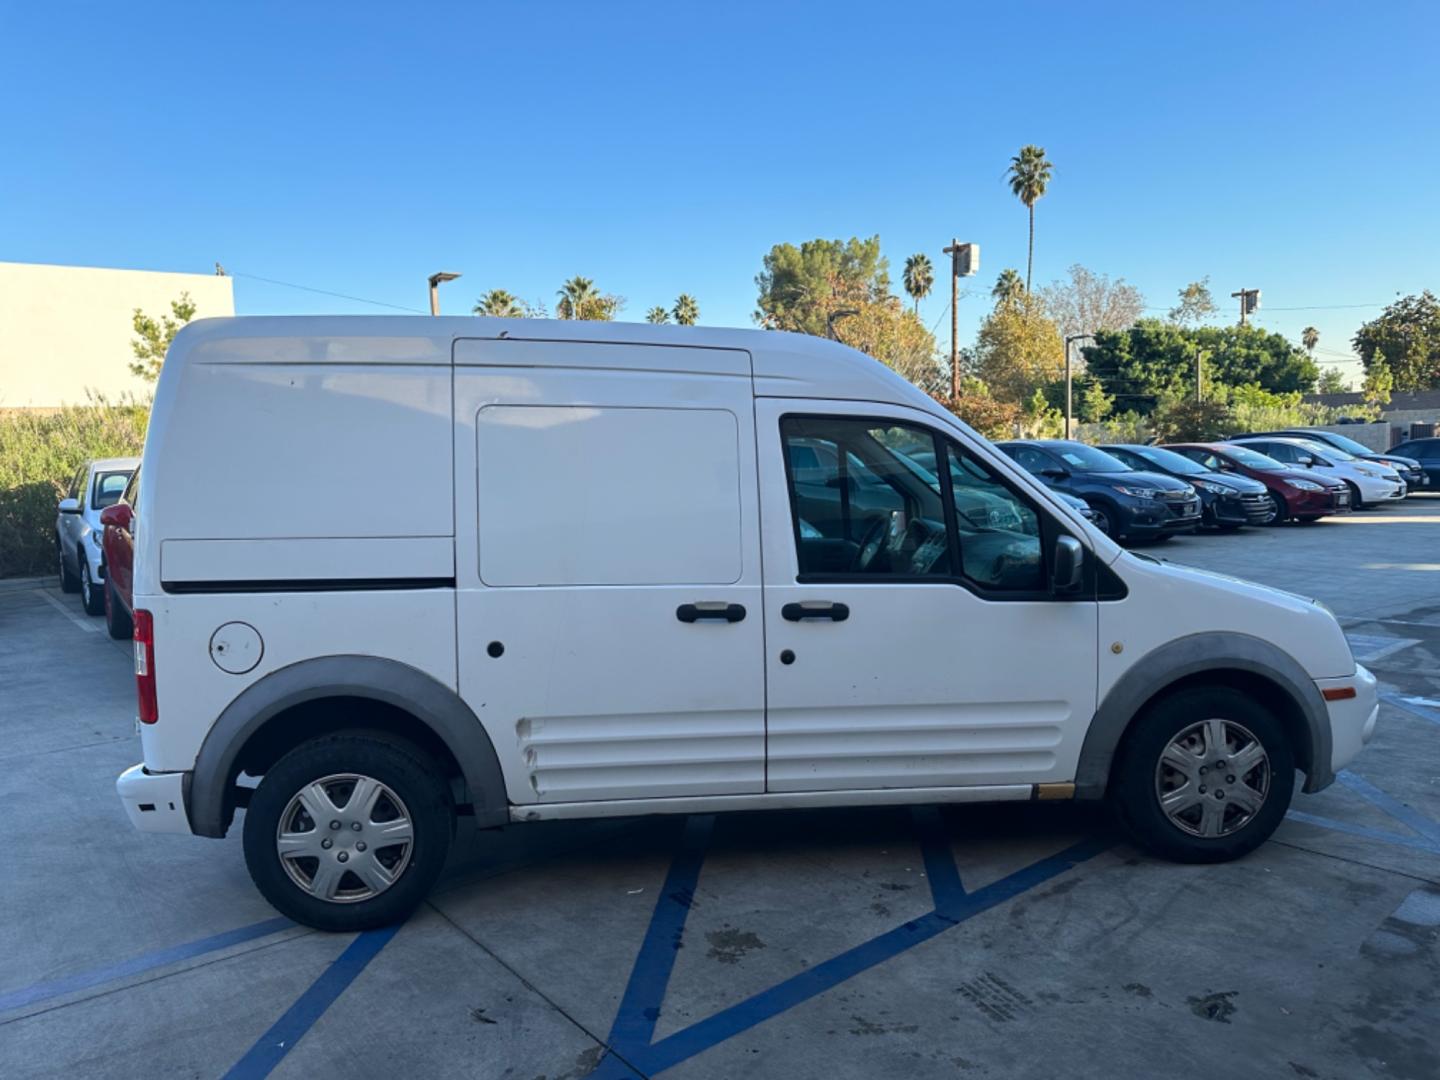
point(1205, 775)
point(349, 831)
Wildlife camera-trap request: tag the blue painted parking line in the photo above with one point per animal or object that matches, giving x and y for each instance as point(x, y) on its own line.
point(1366, 831)
point(45, 991)
point(270, 1049)
point(1394, 807)
point(953, 905)
point(1411, 707)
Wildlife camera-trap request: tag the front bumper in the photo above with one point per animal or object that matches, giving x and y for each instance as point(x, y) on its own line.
point(1154, 517)
point(1240, 509)
point(1352, 720)
point(154, 802)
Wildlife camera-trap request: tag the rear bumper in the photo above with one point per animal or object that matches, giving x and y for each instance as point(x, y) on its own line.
point(154, 802)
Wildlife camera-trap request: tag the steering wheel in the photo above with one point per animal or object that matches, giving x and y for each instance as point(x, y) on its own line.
point(870, 544)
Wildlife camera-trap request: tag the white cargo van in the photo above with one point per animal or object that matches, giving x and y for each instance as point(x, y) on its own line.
point(415, 574)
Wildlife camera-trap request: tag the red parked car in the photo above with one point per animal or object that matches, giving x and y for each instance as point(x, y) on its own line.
point(118, 550)
point(1296, 494)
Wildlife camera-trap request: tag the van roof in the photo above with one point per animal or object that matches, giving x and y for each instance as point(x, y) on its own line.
point(784, 364)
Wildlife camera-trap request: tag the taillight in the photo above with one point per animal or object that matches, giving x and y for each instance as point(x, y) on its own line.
point(145, 667)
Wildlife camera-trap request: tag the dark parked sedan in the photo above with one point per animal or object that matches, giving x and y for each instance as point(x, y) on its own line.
point(1128, 504)
point(1296, 494)
point(1427, 453)
point(1227, 500)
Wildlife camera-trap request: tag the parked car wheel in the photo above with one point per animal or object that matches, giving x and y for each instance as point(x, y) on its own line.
point(349, 831)
point(90, 596)
point(68, 581)
point(1355, 500)
point(1281, 512)
point(1205, 775)
point(1104, 518)
point(117, 619)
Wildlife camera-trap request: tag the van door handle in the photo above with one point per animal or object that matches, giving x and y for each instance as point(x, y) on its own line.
point(815, 609)
point(710, 611)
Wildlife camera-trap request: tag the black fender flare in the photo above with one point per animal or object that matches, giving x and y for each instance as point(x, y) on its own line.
point(431, 702)
point(1193, 655)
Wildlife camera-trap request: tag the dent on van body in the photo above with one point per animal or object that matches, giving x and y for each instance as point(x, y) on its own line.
point(1191, 655)
point(387, 681)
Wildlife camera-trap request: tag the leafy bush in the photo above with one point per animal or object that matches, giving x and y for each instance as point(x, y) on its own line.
point(39, 453)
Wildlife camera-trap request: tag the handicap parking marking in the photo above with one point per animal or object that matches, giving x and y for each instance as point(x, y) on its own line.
point(1428, 830)
point(270, 1049)
point(85, 980)
point(1418, 707)
point(643, 1000)
point(1372, 648)
point(85, 624)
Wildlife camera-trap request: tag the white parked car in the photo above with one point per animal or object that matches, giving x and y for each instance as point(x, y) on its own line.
point(78, 532)
point(1369, 482)
point(599, 569)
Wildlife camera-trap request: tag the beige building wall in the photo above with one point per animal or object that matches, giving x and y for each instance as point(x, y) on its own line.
point(66, 329)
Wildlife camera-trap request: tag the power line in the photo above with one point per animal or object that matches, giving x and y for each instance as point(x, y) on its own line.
point(327, 292)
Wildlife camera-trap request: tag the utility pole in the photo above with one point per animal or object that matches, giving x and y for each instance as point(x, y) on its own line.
point(1069, 404)
point(1199, 362)
point(1249, 302)
point(964, 262)
point(435, 280)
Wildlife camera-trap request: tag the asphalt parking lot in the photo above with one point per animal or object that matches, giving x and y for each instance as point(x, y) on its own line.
point(1017, 941)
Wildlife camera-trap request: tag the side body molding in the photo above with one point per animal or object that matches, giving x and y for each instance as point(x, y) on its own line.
point(371, 677)
point(1192, 655)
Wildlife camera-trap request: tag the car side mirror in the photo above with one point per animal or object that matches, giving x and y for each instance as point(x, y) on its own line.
point(69, 506)
point(847, 482)
point(117, 516)
point(1054, 472)
point(1069, 563)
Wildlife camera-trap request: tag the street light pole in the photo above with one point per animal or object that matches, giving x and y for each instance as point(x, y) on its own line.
point(435, 280)
point(1069, 404)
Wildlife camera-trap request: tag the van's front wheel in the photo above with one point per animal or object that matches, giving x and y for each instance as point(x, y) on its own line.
point(1206, 775)
point(349, 831)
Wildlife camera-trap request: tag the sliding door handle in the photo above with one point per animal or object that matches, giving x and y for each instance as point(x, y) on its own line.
point(815, 609)
point(707, 611)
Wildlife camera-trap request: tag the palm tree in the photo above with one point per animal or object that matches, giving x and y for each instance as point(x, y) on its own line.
point(1310, 337)
point(577, 298)
point(1008, 288)
point(657, 315)
point(499, 304)
point(1029, 177)
point(919, 278)
point(687, 311)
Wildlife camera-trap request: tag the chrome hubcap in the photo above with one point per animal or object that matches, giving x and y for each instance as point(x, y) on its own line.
point(345, 838)
point(1212, 778)
point(85, 581)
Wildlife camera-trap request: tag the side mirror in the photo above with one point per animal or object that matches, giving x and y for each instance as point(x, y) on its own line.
point(1054, 472)
point(1069, 564)
point(117, 516)
point(847, 482)
point(69, 506)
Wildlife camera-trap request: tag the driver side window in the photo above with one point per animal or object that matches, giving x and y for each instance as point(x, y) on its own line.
point(866, 498)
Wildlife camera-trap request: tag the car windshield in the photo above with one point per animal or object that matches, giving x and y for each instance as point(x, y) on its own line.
point(1088, 459)
point(1329, 453)
point(1169, 461)
point(1349, 445)
point(1253, 459)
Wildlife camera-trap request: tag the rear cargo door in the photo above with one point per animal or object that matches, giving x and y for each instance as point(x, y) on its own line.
point(609, 609)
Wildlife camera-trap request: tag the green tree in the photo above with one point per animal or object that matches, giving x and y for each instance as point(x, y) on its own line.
point(1041, 420)
point(1029, 178)
point(1407, 337)
point(1183, 419)
point(1379, 381)
point(1018, 350)
point(686, 311)
point(499, 304)
point(801, 286)
point(657, 315)
point(1008, 288)
point(992, 419)
point(1310, 337)
point(152, 338)
point(1196, 304)
point(1092, 403)
point(919, 277)
point(1332, 381)
point(579, 299)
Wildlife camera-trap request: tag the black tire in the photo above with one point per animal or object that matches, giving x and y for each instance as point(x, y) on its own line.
point(68, 581)
point(1229, 527)
point(91, 598)
point(117, 620)
point(1281, 510)
point(395, 763)
point(1356, 502)
point(1104, 518)
point(1134, 781)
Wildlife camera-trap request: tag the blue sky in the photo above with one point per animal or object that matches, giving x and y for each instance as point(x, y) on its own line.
point(661, 148)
